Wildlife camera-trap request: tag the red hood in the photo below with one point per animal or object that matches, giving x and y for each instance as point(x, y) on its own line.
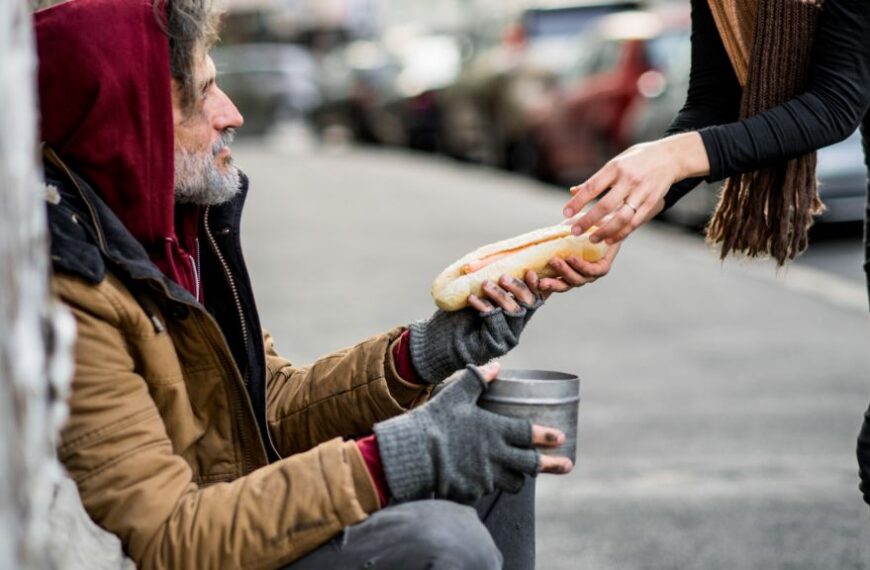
point(105, 100)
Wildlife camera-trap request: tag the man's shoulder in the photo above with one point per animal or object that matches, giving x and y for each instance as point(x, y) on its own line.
point(109, 300)
point(74, 248)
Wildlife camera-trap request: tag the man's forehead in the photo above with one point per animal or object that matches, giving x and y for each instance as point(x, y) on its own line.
point(206, 69)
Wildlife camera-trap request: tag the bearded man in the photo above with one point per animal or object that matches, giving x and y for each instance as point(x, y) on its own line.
point(189, 437)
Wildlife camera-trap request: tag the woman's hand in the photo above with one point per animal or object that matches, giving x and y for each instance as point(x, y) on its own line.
point(637, 180)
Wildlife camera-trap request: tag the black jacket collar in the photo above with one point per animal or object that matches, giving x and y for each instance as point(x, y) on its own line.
point(86, 234)
point(87, 237)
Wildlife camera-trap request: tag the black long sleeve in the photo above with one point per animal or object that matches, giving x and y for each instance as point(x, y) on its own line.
point(836, 99)
point(714, 92)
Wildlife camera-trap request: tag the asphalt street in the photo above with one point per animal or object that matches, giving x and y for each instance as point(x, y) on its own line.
point(720, 402)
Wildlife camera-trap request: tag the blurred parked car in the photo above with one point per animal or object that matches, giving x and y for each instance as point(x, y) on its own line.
point(387, 92)
point(841, 171)
point(584, 123)
point(356, 81)
point(429, 64)
point(484, 115)
point(268, 82)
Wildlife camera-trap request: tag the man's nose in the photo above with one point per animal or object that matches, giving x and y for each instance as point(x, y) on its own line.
point(227, 115)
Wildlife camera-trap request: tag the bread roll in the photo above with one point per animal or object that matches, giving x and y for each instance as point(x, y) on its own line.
point(514, 257)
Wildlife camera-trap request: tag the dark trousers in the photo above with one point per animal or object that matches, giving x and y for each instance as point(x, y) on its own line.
point(498, 532)
point(864, 456)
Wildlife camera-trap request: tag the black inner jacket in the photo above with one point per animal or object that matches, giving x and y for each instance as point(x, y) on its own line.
point(76, 250)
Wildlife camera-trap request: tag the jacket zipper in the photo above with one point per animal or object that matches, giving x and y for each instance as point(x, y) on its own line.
point(232, 282)
point(194, 264)
point(237, 299)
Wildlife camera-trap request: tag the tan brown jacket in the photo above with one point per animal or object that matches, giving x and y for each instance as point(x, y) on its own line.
point(163, 443)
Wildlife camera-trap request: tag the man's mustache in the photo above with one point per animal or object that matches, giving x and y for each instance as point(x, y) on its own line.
point(225, 140)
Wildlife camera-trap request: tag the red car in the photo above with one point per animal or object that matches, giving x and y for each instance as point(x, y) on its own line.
point(582, 124)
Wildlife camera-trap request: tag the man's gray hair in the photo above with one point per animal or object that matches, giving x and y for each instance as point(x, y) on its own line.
point(190, 25)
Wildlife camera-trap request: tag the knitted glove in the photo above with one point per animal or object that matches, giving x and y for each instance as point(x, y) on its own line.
point(448, 341)
point(454, 449)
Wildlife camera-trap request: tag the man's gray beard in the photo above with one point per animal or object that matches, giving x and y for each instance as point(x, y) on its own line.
point(198, 179)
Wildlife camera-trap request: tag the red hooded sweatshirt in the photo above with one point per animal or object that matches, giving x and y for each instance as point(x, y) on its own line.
point(106, 105)
point(105, 99)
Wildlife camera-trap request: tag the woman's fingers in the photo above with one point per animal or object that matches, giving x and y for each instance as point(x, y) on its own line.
point(629, 215)
point(621, 219)
point(638, 179)
point(588, 191)
point(649, 210)
point(610, 204)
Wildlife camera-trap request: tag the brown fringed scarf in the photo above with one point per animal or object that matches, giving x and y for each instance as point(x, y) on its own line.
point(769, 211)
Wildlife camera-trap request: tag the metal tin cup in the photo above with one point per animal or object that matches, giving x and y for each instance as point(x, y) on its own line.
point(545, 397)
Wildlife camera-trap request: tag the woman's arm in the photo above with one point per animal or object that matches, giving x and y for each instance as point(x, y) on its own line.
point(714, 92)
point(831, 108)
point(836, 99)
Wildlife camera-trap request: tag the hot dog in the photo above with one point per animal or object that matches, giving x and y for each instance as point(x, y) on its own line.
point(514, 257)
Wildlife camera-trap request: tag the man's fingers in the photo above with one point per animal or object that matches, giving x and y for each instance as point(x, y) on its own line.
point(482, 305)
point(557, 465)
point(589, 269)
point(547, 437)
point(567, 274)
point(518, 289)
point(500, 297)
point(550, 285)
point(490, 370)
point(532, 282)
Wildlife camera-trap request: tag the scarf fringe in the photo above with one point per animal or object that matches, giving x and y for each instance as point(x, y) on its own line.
point(770, 211)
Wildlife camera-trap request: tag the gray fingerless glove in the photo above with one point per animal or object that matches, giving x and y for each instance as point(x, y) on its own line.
point(453, 449)
point(448, 341)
